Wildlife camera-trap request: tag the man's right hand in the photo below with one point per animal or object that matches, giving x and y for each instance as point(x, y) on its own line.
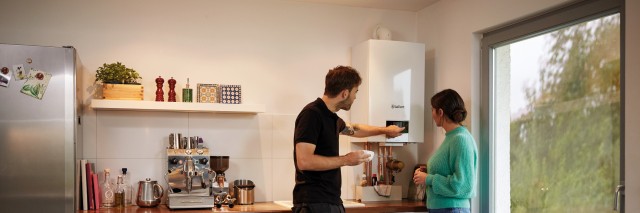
point(308, 161)
point(355, 158)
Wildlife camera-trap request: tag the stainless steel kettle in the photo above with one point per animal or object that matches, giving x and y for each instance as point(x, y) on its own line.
point(149, 193)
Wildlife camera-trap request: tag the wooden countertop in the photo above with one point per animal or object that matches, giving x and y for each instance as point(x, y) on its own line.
point(370, 207)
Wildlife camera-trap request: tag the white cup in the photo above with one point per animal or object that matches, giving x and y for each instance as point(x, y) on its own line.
point(371, 154)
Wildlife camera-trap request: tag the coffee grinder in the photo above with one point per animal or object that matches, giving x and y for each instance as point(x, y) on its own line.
point(188, 174)
point(219, 185)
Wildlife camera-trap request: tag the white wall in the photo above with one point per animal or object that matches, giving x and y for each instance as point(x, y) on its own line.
point(279, 51)
point(450, 29)
point(632, 104)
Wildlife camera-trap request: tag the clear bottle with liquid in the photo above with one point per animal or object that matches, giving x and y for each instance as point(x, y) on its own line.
point(108, 191)
point(127, 188)
point(120, 194)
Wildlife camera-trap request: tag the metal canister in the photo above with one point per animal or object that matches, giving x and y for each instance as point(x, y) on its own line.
point(174, 140)
point(183, 142)
point(193, 142)
point(243, 191)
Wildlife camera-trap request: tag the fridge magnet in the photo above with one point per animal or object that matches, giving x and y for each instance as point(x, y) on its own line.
point(5, 76)
point(230, 94)
point(36, 84)
point(19, 71)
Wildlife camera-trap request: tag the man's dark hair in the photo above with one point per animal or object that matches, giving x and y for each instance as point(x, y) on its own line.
point(451, 104)
point(341, 78)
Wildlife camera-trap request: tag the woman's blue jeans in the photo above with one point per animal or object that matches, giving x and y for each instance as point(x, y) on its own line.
point(450, 210)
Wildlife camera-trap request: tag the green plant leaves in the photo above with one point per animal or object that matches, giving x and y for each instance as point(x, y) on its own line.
point(117, 73)
point(35, 90)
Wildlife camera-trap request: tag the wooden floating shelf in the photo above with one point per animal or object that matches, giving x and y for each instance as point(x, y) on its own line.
point(102, 104)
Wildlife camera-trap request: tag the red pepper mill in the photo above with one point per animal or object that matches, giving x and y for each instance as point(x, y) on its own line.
point(159, 92)
point(172, 90)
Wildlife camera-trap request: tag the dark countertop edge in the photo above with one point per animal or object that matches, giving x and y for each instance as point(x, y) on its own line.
point(370, 207)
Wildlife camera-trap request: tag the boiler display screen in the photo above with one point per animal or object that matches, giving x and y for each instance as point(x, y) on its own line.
point(404, 124)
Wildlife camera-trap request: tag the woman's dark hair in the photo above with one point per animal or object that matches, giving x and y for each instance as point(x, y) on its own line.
point(341, 78)
point(451, 104)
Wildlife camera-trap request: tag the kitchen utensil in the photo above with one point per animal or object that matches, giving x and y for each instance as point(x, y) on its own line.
point(149, 193)
point(174, 140)
point(219, 164)
point(243, 190)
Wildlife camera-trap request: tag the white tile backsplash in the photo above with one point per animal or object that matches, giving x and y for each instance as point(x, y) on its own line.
point(259, 171)
point(266, 133)
point(137, 170)
point(260, 146)
point(89, 143)
point(283, 128)
point(134, 134)
point(283, 179)
point(235, 135)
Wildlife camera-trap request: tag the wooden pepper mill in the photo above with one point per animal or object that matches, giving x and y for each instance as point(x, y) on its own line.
point(172, 90)
point(159, 92)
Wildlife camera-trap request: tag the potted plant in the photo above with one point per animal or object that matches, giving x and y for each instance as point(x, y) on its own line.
point(119, 82)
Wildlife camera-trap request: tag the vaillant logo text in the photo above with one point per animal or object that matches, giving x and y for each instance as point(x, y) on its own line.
point(393, 106)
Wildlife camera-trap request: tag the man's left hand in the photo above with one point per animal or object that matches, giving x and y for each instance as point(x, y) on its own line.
point(393, 131)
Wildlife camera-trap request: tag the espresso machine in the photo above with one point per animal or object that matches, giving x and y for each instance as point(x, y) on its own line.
point(188, 174)
point(219, 186)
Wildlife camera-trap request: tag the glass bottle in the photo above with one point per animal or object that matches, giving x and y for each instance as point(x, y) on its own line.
point(108, 189)
point(127, 188)
point(374, 180)
point(363, 180)
point(119, 195)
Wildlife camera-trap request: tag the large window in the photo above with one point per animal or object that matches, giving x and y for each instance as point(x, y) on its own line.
point(553, 112)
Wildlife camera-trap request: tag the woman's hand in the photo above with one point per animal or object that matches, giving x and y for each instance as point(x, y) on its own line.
point(419, 177)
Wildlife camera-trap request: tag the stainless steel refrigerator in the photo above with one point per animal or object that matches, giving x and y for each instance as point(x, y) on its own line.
point(39, 128)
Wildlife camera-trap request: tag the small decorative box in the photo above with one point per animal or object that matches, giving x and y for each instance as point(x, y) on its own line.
point(230, 94)
point(208, 93)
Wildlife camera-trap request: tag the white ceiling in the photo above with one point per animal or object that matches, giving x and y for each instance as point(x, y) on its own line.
point(407, 5)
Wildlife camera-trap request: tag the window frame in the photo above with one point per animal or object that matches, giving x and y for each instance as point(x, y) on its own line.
point(551, 20)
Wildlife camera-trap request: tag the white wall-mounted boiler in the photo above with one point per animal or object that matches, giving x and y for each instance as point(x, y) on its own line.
point(392, 89)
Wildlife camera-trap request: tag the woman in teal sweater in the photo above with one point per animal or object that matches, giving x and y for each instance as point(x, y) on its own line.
point(451, 171)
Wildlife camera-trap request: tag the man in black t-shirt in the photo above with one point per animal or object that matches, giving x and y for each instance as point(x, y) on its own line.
point(316, 149)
